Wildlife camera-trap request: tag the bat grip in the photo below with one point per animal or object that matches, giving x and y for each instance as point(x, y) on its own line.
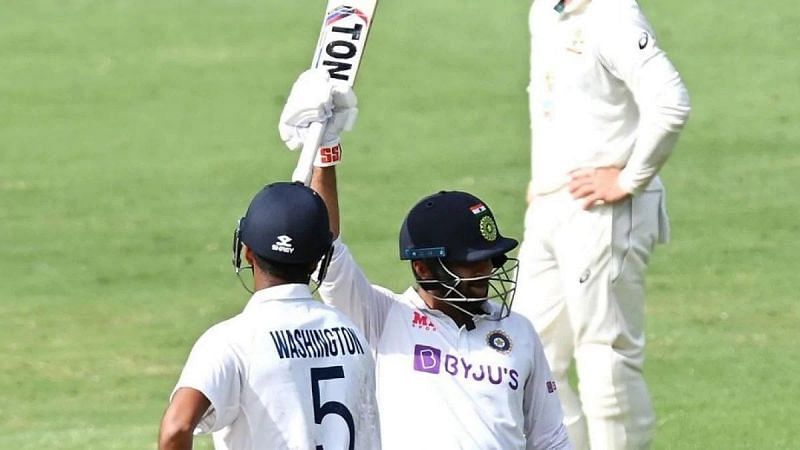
point(305, 163)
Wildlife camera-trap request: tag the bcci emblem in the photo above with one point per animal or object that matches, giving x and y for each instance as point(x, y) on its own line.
point(499, 341)
point(488, 228)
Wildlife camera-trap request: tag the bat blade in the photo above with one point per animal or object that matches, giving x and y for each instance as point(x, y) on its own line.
point(343, 37)
point(339, 50)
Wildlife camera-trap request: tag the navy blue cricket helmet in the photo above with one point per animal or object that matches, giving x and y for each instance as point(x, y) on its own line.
point(453, 225)
point(286, 223)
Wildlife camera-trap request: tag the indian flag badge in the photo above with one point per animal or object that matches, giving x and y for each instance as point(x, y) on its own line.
point(477, 209)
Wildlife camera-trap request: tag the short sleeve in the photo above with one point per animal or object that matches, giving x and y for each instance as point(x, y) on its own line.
point(213, 369)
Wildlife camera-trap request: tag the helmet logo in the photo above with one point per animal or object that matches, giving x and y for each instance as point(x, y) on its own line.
point(488, 228)
point(499, 341)
point(283, 244)
point(477, 208)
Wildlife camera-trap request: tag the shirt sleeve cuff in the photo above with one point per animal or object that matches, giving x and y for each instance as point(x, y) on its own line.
point(627, 183)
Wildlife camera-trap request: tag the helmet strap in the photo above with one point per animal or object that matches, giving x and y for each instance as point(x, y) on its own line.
point(236, 259)
point(241, 280)
point(322, 269)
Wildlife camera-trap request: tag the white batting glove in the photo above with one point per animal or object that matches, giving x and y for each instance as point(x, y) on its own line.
point(314, 98)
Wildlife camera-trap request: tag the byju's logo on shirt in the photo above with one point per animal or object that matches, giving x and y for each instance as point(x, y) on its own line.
point(430, 360)
point(427, 359)
point(419, 320)
point(283, 244)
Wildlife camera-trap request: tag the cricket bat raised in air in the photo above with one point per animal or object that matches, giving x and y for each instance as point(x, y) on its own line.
point(339, 50)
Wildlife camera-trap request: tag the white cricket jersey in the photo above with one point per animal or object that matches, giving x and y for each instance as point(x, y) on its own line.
point(602, 93)
point(444, 387)
point(287, 373)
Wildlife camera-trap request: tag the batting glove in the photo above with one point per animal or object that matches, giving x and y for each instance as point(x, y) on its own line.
point(314, 98)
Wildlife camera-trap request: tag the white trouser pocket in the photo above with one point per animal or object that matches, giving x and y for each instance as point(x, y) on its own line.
point(638, 224)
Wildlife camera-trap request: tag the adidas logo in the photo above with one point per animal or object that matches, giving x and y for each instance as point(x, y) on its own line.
point(283, 245)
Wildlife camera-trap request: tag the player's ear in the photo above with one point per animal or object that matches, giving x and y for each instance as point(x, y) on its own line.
point(421, 270)
point(248, 256)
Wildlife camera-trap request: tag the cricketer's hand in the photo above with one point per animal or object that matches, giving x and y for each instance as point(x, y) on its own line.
point(315, 98)
point(596, 186)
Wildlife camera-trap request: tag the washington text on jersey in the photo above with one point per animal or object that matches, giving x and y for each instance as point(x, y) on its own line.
point(316, 343)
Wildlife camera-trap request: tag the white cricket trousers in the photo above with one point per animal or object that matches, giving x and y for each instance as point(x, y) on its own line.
point(581, 283)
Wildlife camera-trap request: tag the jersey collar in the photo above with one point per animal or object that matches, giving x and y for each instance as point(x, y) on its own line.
point(413, 298)
point(280, 292)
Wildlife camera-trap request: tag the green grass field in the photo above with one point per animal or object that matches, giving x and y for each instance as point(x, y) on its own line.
point(133, 134)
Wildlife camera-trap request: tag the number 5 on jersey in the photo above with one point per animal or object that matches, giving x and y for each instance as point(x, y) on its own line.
point(319, 374)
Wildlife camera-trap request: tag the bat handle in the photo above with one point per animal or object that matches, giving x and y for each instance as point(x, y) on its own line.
point(305, 163)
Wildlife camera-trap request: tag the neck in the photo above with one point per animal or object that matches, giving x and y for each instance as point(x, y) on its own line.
point(262, 280)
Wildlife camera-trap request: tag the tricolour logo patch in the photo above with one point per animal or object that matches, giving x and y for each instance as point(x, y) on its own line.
point(477, 209)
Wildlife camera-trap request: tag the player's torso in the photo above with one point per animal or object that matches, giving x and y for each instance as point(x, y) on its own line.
point(441, 387)
point(581, 115)
point(308, 380)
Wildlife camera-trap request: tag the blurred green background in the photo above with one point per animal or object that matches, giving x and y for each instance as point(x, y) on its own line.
point(133, 134)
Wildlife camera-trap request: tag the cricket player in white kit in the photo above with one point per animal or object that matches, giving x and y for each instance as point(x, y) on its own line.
point(455, 370)
point(606, 108)
point(288, 372)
